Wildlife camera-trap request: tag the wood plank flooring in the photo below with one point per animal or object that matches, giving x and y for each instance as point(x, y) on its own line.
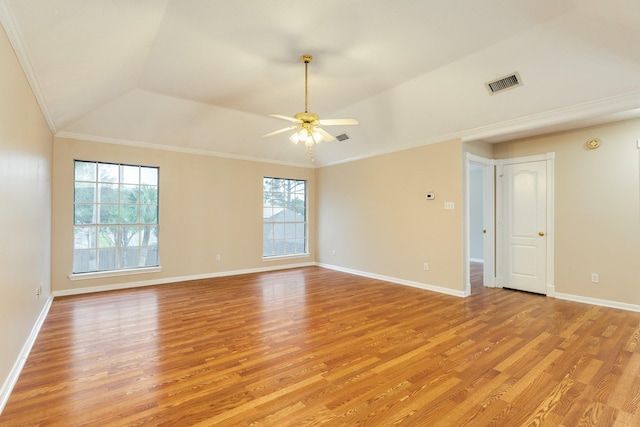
point(313, 346)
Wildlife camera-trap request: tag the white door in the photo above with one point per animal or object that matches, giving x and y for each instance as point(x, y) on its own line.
point(525, 226)
point(488, 226)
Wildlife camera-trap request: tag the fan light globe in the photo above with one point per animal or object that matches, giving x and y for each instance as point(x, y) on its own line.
point(317, 137)
point(301, 135)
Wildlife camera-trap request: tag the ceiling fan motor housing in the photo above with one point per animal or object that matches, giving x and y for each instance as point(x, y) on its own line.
point(307, 117)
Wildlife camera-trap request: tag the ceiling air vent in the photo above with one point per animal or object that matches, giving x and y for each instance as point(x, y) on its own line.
point(504, 83)
point(342, 137)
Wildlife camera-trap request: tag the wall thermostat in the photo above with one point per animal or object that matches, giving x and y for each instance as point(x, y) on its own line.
point(430, 195)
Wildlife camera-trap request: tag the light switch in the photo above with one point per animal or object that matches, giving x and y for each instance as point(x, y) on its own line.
point(449, 205)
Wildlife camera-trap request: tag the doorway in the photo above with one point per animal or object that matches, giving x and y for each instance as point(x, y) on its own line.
point(494, 200)
point(480, 214)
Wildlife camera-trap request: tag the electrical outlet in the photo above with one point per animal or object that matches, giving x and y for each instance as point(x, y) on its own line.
point(217, 257)
point(594, 278)
point(426, 266)
point(333, 253)
point(39, 290)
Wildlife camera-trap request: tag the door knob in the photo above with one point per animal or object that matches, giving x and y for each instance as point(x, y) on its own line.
point(541, 233)
point(484, 231)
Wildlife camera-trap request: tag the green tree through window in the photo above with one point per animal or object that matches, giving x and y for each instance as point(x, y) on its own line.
point(115, 217)
point(284, 217)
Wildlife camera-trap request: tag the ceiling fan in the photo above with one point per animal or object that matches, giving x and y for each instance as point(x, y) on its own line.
point(309, 124)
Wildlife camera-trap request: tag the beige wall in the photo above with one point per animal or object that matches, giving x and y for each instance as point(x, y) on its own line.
point(374, 214)
point(208, 206)
point(478, 148)
point(25, 212)
point(597, 209)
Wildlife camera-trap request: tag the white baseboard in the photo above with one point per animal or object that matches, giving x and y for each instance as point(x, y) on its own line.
point(424, 286)
point(138, 284)
point(142, 283)
point(14, 374)
point(597, 301)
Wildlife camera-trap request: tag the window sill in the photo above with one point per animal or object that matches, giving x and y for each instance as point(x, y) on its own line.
point(281, 257)
point(101, 274)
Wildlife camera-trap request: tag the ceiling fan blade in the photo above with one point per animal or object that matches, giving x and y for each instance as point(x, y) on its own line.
point(335, 122)
point(326, 136)
point(280, 116)
point(275, 132)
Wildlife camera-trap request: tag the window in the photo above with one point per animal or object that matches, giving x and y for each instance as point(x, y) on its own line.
point(284, 216)
point(115, 217)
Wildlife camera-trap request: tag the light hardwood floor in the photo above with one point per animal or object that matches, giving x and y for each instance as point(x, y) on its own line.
point(313, 346)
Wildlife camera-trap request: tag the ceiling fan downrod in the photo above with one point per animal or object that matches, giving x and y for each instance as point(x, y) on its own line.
point(306, 59)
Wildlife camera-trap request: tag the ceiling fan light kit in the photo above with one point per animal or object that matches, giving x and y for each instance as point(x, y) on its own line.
point(308, 125)
point(308, 136)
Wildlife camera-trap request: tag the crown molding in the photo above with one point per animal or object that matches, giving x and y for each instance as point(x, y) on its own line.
point(14, 34)
point(195, 151)
point(573, 117)
point(591, 113)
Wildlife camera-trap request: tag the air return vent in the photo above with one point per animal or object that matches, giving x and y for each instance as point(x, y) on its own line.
point(504, 83)
point(342, 137)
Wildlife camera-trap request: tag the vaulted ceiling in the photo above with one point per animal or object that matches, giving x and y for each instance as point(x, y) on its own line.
point(202, 75)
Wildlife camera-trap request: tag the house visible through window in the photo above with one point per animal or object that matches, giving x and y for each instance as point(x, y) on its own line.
point(115, 217)
point(284, 216)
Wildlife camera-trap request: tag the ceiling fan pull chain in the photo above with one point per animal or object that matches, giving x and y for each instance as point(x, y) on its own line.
point(310, 151)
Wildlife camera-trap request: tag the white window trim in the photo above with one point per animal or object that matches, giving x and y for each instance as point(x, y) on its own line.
point(281, 257)
point(114, 273)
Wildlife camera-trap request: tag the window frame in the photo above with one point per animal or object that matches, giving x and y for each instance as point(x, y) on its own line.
point(285, 209)
point(113, 245)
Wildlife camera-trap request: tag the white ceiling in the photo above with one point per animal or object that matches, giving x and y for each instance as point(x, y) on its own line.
point(202, 75)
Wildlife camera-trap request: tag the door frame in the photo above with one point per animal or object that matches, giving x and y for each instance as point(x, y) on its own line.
point(549, 158)
point(488, 175)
